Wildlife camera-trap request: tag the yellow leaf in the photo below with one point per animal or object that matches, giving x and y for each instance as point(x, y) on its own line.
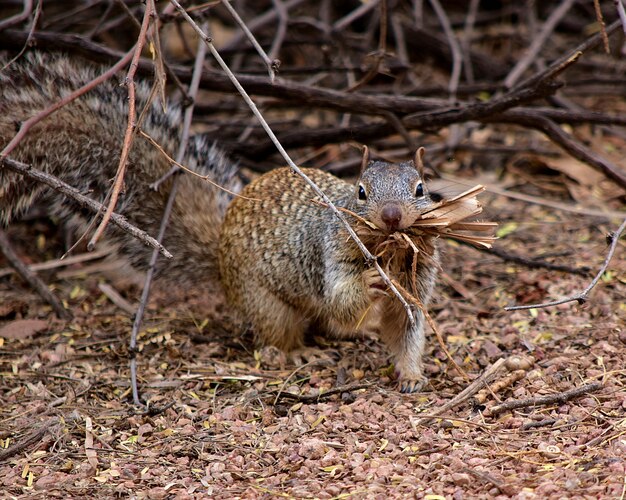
point(319, 420)
point(29, 481)
point(506, 229)
point(383, 444)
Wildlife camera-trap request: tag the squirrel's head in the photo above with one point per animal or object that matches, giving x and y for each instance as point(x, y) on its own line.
point(391, 195)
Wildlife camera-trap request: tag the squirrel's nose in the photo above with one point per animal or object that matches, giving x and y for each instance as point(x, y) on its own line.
point(391, 215)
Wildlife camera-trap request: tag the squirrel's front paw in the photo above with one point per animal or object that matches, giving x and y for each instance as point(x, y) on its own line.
point(375, 284)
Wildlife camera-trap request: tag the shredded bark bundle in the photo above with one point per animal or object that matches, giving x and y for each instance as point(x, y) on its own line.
point(446, 218)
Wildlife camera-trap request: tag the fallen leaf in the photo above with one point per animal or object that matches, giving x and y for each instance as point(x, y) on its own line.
point(23, 328)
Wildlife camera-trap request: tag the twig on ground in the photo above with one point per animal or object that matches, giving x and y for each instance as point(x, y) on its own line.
point(530, 263)
point(33, 26)
point(506, 381)
point(32, 438)
point(558, 398)
point(281, 31)
point(322, 396)
point(71, 192)
point(581, 297)
point(485, 378)
point(31, 278)
point(379, 55)
point(56, 263)
point(115, 297)
point(260, 21)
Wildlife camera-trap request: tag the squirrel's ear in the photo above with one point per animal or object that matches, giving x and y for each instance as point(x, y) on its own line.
point(366, 158)
point(418, 161)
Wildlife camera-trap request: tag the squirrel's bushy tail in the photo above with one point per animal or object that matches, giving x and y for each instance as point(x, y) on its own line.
point(81, 145)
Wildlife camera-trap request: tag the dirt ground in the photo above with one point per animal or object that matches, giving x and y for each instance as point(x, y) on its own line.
point(226, 420)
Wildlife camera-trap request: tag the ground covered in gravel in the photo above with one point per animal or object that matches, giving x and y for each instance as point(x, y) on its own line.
point(227, 420)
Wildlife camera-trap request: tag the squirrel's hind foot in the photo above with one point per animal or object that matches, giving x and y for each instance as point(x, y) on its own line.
point(408, 386)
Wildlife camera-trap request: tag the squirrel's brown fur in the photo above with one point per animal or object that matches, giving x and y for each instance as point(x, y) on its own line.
point(285, 262)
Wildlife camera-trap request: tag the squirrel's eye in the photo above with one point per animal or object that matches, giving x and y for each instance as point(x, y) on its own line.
point(419, 190)
point(362, 194)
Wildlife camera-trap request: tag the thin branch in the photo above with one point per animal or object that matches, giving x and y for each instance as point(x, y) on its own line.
point(260, 21)
point(581, 297)
point(455, 48)
point(468, 30)
point(369, 258)
point(71, 192)
point(622, 13)
point(145, 294)
point(281, 31)
point(600, 18)
point(538, 43)
point(272, 65)
point(130, 128)
point(549, 399)
point(18, 18)
point(56, 263)
point(347, 20)
point(31, 278)
point(528, 118)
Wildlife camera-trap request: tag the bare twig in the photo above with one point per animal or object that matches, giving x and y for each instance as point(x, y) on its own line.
point(281, 31)
point(600, 18)
point(581, 297)
point(579, 151)
point(33, 437)
point(468, 30)
point(31, 278)
point(71, 192)
point(538, 43)
point(322, 396)
point(347, 20)
point(260, 21)
point(369, 258)
point(18, 18)
point(145, 294)
point(130, 129)
point(272, 65)
point(559, 397)
point(622, 13)
point(455, 48)
point(56, 263)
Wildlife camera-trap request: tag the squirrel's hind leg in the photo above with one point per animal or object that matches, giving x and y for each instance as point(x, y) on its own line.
point(406, 344)
point(276, 323)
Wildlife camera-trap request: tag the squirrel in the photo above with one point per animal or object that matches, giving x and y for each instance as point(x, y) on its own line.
point(283, 259)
